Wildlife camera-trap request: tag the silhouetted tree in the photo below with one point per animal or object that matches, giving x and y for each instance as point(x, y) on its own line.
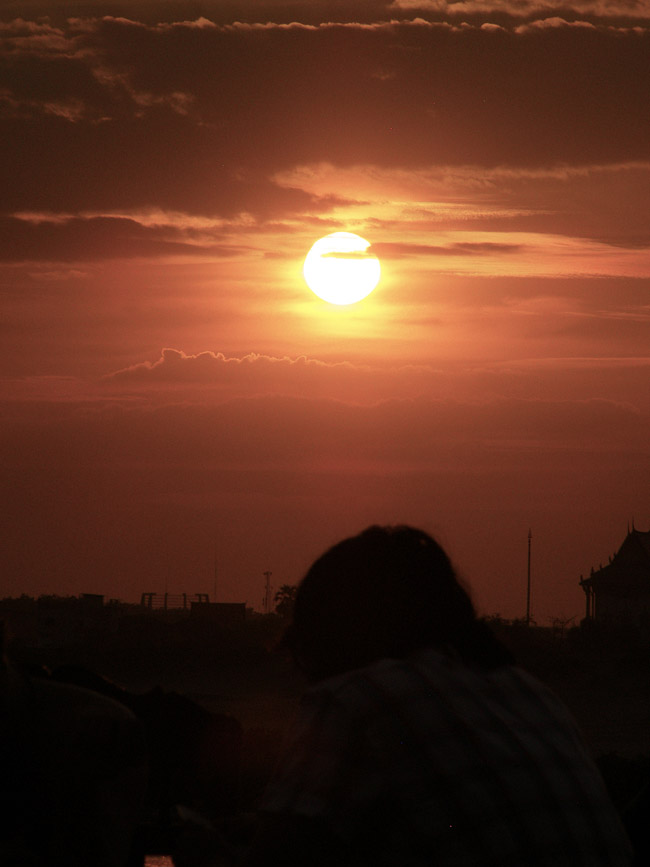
point(284, 600)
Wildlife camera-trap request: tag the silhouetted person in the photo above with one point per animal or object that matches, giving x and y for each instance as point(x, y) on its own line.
point(193, 753)
point(72, 775)
point(636, 818)
point(420, 742)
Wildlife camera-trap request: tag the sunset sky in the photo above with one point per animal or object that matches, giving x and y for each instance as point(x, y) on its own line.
point(170, 386)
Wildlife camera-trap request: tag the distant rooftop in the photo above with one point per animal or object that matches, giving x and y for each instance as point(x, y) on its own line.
point(167, 601)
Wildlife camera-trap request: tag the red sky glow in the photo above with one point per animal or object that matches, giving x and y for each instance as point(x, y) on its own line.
point(171, 388)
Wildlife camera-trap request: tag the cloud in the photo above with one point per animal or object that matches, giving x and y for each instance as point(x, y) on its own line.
point(397, 250)
point(255, 374)
point(36, 37)
point(63, 235)
point(607, 9)
point(199, 100)
point(608, 203)
point(76, 239)
point(213, 378)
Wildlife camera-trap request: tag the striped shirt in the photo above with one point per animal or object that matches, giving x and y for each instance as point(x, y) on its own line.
point(424, 761)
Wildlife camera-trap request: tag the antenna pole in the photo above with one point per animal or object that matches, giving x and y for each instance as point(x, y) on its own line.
point(267, 592)
point(530, 536)
point(214, 583)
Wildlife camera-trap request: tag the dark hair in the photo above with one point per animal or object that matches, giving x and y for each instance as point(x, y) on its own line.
point(387, 592)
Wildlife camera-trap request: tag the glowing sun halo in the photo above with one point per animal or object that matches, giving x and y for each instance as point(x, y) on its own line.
point(339, 268)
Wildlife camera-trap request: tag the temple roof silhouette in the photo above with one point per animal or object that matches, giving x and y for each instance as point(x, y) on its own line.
point(625, 577)
point(634, 551)
point(644, 540)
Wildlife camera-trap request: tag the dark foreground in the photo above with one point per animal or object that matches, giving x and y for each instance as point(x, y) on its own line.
point(240, 675)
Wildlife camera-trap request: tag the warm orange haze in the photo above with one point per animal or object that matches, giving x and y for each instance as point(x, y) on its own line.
point(175, 396)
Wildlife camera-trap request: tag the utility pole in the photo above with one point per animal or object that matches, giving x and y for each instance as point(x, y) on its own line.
point(530, 536)
point(214, 583)
point(267, 592)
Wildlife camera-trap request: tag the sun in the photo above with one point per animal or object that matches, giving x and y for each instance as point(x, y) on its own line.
point(339, 268)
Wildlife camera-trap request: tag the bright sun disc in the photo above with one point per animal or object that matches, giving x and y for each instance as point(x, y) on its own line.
point(339, 268)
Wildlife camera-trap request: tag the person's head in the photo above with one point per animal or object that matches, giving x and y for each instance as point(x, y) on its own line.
point(387, 592)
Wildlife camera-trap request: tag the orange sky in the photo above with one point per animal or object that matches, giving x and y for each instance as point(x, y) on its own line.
point(170, 386)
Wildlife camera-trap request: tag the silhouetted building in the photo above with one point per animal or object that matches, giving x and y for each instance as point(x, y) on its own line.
point(172, 601)
point(618, 594)
point(220, 613)
point(92, 600)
